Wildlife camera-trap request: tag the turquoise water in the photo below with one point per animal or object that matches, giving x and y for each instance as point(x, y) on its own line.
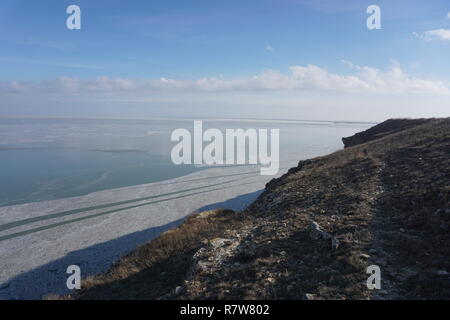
point(42, 159)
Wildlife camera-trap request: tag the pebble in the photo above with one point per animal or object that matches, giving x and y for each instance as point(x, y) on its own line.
point(310, 296)
point(178, 290)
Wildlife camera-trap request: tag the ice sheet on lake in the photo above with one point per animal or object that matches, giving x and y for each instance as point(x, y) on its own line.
point(38, 241)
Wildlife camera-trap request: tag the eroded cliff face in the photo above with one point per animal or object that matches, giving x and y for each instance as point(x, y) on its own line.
point(314, 231)
point(382, 129)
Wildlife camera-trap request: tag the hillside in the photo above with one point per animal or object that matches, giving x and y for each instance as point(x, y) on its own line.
point(382, 129)
point(383, 200)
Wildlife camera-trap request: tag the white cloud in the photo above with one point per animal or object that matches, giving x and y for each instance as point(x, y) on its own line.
point(269, 48)
point(437, 34)
point(299, 78)
point(347, 63)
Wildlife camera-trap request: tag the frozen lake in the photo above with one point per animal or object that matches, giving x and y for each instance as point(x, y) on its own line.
point(85, 192)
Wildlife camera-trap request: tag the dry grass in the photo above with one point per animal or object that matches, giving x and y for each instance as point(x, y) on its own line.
point(156, 268)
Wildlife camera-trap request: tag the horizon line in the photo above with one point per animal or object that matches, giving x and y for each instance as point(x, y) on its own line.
point(188, 119)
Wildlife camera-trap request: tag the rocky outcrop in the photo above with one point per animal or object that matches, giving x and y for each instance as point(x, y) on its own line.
point(317, 233)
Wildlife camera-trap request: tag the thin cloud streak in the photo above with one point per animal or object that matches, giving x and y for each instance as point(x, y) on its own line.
point(437, 34)
point(52, 63)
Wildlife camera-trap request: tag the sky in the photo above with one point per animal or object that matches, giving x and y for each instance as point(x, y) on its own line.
point(278, 59)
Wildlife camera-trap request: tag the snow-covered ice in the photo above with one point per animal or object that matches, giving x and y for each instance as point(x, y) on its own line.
point(38, 241)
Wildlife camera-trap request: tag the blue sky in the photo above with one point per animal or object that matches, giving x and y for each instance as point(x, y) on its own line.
point(153, 58)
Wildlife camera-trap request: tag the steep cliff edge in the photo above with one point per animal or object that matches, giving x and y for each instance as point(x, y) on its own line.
point(313, 232)
point(382, 129)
